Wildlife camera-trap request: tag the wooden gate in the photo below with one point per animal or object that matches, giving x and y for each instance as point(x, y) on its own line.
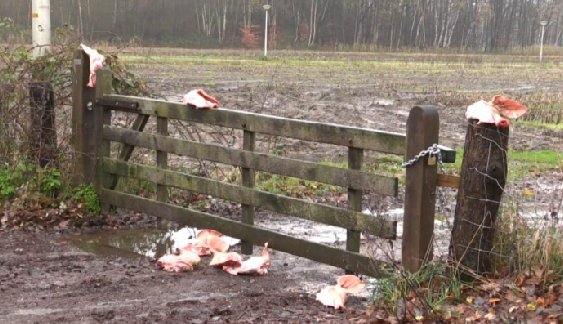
point(93, 109)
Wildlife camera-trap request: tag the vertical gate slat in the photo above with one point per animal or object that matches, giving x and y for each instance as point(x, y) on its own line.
point(355, 160)
point(248, 180)
point(162, 163)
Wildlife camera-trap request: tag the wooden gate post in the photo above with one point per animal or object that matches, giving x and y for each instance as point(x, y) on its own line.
point(483, 175)
point(83, 126)
point(420, 188)
point(102, 117)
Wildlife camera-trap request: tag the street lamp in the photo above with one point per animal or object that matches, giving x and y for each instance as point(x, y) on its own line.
point(40, 27)
point(266, 8)
point(543, 23)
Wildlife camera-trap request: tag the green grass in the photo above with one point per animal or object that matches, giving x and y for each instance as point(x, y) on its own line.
point(372, 63)
point(293, 187)
point(520, 163)
point(538, 124)
point(382, 164)
point(204, 84)
point(435, 283)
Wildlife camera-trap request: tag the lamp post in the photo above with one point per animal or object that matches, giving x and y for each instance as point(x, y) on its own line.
point(266, 8)
point(543, 23)
point(41, 27)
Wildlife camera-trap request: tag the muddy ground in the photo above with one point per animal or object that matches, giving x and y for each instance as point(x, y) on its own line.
point(45, 278)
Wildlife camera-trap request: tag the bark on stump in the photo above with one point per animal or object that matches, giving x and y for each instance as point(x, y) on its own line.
point(483, 176)
point(43, 134)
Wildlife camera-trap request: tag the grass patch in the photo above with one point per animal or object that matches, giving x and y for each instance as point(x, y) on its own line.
point(386, 63)
point(538, 124)
point(388, 165)
point(433, 284)
point(521, 163)
point(294, 187)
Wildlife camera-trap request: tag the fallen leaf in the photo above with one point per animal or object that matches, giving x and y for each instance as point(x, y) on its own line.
point(520, 280)
point(469, 300)
point(490, 316)
point(494, 300)
point(531, 307)
point(419, 318)
point(540, 301)
point(512, 309)
point(491, 287)
point(64, 224)
point(533, 281)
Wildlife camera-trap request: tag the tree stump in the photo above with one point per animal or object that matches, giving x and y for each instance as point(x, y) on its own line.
point(43, 134)
point(483, 176)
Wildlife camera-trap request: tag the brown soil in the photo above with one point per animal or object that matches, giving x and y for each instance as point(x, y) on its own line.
point(45, 280)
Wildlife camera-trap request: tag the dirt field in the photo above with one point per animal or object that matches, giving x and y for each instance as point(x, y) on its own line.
point(44, 278)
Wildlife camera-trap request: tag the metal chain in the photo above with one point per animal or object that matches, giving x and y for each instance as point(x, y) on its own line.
point(431, 151)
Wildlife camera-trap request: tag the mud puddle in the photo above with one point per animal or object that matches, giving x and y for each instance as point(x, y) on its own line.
point(137, 243)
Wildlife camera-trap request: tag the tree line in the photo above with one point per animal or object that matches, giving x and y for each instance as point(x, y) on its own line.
point(484, 25)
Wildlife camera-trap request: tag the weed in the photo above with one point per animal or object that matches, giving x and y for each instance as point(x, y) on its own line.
point(136, 186)
point(87, 195)
point(433, 284)
point(50, 181)
point(26, 177)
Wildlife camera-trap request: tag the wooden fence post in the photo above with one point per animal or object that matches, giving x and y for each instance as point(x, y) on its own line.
point(420, 188)
point(483, 175)
point(83, 127)
point(43, 133)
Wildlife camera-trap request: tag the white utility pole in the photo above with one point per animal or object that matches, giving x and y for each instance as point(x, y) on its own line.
point(41, 27)
point(266, 7)
point(543, 24)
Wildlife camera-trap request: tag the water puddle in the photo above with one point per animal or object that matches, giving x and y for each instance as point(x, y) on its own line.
point(135, 243)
